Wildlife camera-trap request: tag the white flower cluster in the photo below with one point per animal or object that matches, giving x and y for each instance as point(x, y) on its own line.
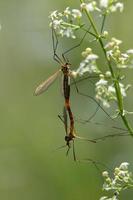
point(105, 92)
point(103, 6)
point(104, 87)
point(111, 5)
point(90, 6)
point(122, 60)
point(65, 23)
point(89, 63)
point(122, 180)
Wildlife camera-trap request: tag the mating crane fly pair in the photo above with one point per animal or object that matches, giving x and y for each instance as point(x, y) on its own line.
point(67, 74)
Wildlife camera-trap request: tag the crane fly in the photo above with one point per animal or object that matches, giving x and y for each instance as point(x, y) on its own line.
point(71, 136)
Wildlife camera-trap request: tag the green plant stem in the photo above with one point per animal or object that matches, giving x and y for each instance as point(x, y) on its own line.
point(116, 82)
point(70, 25)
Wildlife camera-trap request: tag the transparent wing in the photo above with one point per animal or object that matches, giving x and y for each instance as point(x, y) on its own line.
point(46, 84)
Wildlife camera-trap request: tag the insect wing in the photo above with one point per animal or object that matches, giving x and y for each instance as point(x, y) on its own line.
point(46, 84)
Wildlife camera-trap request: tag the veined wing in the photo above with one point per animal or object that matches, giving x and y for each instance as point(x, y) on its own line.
point(46, 84)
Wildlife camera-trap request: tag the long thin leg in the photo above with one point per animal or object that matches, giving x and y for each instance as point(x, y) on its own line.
point(124, 133)
point(68, 150)
point(72, 48)
point(78, 45)
point(112, 136)
point(64, 120)
point(85, 95)
point(96, 164)
point(82, 121)
point(97, 109)
point(93, 34)
point(55, 45)
point(85, 78)
point(85, 121)
point(61, 118)
point(93, 115)
point(74, 154)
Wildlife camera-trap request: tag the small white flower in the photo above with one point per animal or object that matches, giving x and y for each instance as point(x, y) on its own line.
point(76, 13)
point(101, 82)
point(89, 63)
point(83, 6)
point(113, 8)
point(90, 7)
point(126, 179)
point(53, 15)
point(129, 51)
point(125, 55)
point(105, 92)
point(105, 174)
point(69, 33)
point(117, 170)
point(111, 89)
point(104, 198)
point(124, 166)
point(105, 34)
point(74, 74)
point(92, 57)
point(123, 90)
point(119, 6)
point(116, 41)
point(67, 12)
point(86, 52)
point(108, 74)
point(104, 3)
point(56, 24)
point(106, 104)
point(122, 174)
point(109, 53)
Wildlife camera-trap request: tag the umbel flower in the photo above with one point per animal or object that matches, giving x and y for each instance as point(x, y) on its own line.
point(121, 180)
point(66, 23)
point(88, 64)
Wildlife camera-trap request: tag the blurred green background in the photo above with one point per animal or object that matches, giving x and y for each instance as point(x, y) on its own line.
point(30, 131)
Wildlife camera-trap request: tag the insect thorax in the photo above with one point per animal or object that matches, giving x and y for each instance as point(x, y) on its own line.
point(66, 68)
